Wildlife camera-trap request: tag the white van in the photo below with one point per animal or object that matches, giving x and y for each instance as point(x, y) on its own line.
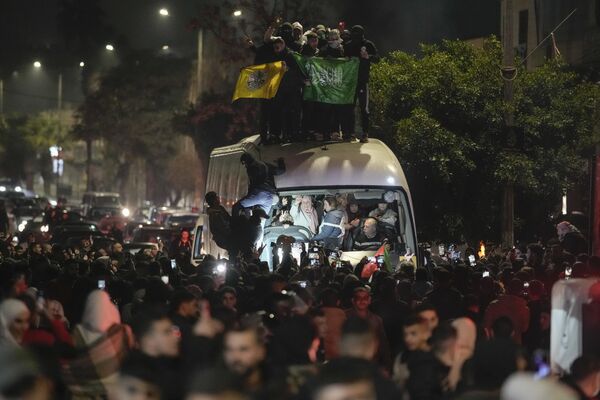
point(366, 172)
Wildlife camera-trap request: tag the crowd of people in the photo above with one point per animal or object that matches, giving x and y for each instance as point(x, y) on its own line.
point(98, 323)
point(287, 117)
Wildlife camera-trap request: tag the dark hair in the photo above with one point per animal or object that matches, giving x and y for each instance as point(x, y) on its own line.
point(329, 297)
point(144, 319)
point(536, 249)
point(357, 326)
point(583, 366)
point(179, 297)
point(425, 307)
point(211, 198)
point(440, 337)
point(341, 371)
point(331, 200)
point(227, 289)
point(503, 327)
point(413, 320)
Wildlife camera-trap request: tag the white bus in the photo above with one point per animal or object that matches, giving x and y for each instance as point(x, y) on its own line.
point(365, 172)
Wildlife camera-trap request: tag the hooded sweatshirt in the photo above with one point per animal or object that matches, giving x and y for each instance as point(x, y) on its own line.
point(330, 234)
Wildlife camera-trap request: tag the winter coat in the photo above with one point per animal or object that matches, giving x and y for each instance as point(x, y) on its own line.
point(328, 233)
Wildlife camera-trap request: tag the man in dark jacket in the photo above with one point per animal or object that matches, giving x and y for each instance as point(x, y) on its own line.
point(219, 220)
point(366, 52)
point(287, 103)
point(261, 184)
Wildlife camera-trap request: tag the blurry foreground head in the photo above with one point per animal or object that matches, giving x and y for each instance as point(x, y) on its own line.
point(215, 384)
point(342, 379)
point(20, 376)
point(524, 386)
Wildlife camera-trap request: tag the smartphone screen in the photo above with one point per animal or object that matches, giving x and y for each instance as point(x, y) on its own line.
point(173, 264)
point(165, 279)
point(486, 273)
point(101, 284)
point(472, 260)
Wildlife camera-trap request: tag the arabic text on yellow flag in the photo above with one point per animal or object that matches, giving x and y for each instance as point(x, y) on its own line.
point(259, 81)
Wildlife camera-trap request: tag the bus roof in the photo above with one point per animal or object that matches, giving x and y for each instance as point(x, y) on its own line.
point(335, 164)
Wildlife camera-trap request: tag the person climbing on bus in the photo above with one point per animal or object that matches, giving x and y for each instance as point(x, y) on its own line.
point(261, 184)
point(331, 231)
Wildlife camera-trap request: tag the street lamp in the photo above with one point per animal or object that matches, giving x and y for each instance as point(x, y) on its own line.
point(82, 64)
point(37, 64)
point(165, 47)
point(237, 13)
point(164, 12)
point(110, 47)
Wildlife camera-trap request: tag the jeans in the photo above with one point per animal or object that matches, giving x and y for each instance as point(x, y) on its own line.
point(255, 197)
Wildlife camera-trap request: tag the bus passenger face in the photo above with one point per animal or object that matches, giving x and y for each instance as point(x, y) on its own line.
point(370, 228)
point(354, 208)
point(278, 47)
point(382, 206)
point(306, 205)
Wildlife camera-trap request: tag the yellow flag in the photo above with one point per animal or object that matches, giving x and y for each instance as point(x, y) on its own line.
point(259, 81)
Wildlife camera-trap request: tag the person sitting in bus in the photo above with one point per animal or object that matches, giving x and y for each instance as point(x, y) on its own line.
point(304, 214)
point(384, 214)
point(261, 184)
point(354, 215)
point(331, 231)
point(368, 238)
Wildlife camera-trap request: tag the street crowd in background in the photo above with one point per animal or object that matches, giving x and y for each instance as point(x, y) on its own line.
point(95, 321)
point(92, 320)
point(287, 117)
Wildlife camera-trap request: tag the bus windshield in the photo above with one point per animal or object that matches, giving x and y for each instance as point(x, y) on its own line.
point(365, 217)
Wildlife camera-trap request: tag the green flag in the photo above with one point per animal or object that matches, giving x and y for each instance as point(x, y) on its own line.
point(332, 80)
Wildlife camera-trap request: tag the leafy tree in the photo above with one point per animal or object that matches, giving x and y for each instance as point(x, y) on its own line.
point(443, 114)
point(132, 111)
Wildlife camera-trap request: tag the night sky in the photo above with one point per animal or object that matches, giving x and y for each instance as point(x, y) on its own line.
point(29, 29)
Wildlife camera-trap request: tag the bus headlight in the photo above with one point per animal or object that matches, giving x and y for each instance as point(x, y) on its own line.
point(125, 212)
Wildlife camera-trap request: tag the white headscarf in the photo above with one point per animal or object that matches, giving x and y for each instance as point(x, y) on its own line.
point(10, 309)
point(98, 316)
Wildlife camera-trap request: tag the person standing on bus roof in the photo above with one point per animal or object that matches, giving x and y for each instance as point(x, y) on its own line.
point(261, 184)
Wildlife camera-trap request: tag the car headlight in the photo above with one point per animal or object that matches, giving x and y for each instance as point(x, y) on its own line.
point(125, 212)
point(44, 228)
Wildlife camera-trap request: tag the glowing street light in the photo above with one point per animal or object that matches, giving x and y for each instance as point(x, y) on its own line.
point(37, 64)
point(164, 12)
point(82, 64)
point(165, 47)
point(110, 47)
point(237, 13)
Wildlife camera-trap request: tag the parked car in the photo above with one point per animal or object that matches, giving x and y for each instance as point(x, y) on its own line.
point(182, 220)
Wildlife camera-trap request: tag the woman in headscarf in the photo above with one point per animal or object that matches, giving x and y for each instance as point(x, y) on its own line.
point(14, 322)
point(304, 214)
point(103, 343)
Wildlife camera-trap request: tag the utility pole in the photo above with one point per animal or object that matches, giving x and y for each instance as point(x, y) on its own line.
point(199, 64)
point(59, 95)
point(508, 74)
point(1, 97)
